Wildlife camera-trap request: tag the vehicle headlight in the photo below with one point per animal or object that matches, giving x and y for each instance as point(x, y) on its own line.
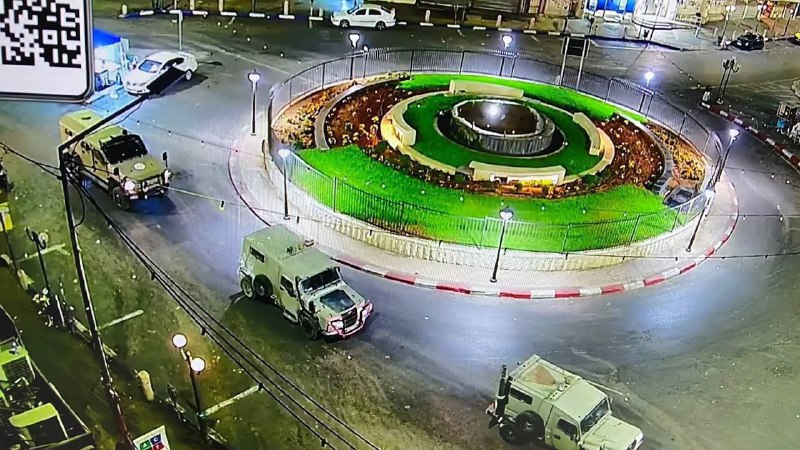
point(129, 185)
point(167, 175)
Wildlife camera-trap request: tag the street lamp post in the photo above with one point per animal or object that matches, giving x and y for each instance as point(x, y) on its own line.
point(354, 38)
point(733, 134)
point(254, 77)
point(648, 77)
point(760, 8)
point(284, 154)
point(505, 214)
point(507, 40)
point(710, 192)
point(729, 67)
point(728, 11)
point(196, 365)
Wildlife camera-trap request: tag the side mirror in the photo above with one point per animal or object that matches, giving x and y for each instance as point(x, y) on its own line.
point(312, 308)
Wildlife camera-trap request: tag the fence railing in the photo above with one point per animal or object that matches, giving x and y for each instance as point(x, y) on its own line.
point(416, 220)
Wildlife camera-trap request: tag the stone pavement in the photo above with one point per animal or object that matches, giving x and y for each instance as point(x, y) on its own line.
point(264, 197)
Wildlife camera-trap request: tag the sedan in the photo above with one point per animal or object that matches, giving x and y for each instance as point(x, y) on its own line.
point(370, 16)
point(749, 41)
point(144, 73)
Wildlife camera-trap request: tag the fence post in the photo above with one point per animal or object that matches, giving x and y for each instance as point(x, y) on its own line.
point(290, 89)
point(677, 215)
point(411, 62)
point(566, 238)
point(323, 74)
point(513, 65)
point(608, 91)
point(502, 65)
point(683, 122)
point(635, 228)
point(335, 190)
point(352, 66)
point(460, 66)
point(483, 232)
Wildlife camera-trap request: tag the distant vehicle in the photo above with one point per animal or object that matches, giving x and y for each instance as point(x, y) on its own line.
point(540, 402)
point(279, 265)
point(749, 41)
point(678, 196)
point(137, 79)
point(115, 160)
point(366, 15)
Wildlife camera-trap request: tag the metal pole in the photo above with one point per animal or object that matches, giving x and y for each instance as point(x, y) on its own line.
point(721, 80)
point(724, 27)
point(201, 423)
point(253, 121)
point(499, 249)
point(563, 62)
point(42, 265)
point(725, 84)
point(724, 160)
point(8, 243)
point(697, 227)
point(253, 6)
point(580, 66)
point(285, 191)
point(180, 29)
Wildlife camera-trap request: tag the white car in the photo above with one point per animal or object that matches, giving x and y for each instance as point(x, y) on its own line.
point(143, 73)
point(366, 15)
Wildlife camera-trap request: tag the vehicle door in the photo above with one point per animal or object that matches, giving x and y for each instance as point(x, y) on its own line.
point(374, 16)
point(99, 164)
point(288, 295)
point(564, 434)
point(360, 17)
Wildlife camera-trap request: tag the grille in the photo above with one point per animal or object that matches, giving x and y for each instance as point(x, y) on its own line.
point(350, 318)
point(19, 368)
point(150, 182)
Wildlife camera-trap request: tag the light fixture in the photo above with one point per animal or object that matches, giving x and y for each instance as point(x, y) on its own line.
point(506, 213)
point(507, 40)
point(733, 133)
point(254, 76)
point(179, 340)
point(197, 364)
point(648, 76)
point(354, 38)
point(284, 153)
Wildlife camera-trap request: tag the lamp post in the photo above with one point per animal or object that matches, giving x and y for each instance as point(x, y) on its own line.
point(506, 214)
point(507, 40)
point(284, 153)
point(760, 8)
point(710, 193)
point(196, 365)
point(729, 67)
point(648, 77)
point(728, 10)
point(254, 77)
point(733, 133)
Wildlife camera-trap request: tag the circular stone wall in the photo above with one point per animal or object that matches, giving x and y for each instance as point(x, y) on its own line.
point(501, 126)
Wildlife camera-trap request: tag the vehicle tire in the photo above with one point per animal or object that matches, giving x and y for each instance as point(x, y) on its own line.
point(75, 165)
point(246, 284)
point(530, 425)
point(262, 287)
point(344, 24)
point(309, 327)
point(188, 75)
point(511, 434)
point(120, 199)
point(380, 25)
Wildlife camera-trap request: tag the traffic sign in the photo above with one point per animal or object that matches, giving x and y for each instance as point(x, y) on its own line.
point(154, 440)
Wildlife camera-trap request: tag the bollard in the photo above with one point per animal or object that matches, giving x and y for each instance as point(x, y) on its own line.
point(311, 12)
point(531, 23)
point(124, 10)
point(285, 7)
point(427, 15)
point(191, 5)
point(221, 5)
point(499, 21)
point(147, 387)
point(321, 11)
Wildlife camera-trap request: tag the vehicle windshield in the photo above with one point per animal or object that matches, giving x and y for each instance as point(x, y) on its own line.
point(325, 278)
point(338, 301)
point(122, 148)
point(593, 417)
point(149, 66)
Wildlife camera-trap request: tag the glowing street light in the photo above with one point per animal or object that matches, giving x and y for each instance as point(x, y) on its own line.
point(284, 153)
point(254, 77)
point(179, 341)
point(507, 40)
point(354, 38)
point(506, 214)
point(733, 133)
point(196, 365)
point(648, 77)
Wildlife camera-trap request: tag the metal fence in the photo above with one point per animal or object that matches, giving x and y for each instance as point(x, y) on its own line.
point(416, 220)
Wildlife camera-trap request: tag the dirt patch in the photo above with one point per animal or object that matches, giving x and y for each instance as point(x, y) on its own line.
point(296, 124)
point(690, 165)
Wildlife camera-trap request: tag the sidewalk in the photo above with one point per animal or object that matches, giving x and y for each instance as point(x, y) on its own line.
point(70, 365)
point(264, 197)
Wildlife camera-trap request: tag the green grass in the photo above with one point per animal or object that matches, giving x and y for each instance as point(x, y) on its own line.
point(371, 191)
point(422, 115)
point(564, 98)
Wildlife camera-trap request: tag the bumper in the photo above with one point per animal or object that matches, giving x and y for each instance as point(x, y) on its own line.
point(156, 191)
point(391, 24)
point(353, 329)
point(131, 89)
point(336, 21)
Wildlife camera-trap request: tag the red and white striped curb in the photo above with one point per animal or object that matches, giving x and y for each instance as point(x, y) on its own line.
point(558, 293)
point(793, 159)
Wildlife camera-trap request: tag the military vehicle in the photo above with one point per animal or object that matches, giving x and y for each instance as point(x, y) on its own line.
point(540, 402)
point(280, 266)
point(114, 159)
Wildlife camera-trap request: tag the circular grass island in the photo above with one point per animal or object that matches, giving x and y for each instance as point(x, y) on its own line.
point(351, 162)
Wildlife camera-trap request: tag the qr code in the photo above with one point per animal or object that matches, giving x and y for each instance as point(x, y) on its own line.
point(41, 33)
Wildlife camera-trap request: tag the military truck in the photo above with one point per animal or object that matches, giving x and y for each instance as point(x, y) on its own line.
point(280, 266)
point(114, 159)
point(540, 402)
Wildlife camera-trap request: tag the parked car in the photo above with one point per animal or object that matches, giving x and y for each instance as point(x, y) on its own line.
point(749, 41)
point(366, 15)
point(678, 196)
point(150, 68)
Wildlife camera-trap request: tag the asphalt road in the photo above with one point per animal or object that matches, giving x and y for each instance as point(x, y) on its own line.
point(703, 361)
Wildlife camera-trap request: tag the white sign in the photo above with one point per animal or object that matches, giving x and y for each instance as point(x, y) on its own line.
point(154, 440)
point(46, 49)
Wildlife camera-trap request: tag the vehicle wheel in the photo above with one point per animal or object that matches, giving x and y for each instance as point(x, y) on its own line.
point(120, 199)
point(530, 424)
point(247, 287)
point(344, 24)
point(262, 287)
point(188, 75)
point(380, 25)
point(510, 433)
point(309, 327)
